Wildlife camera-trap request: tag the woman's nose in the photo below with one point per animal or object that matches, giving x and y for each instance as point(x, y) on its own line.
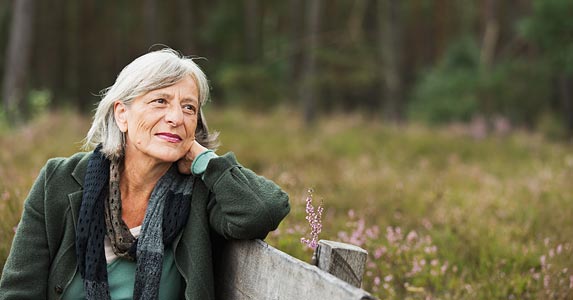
point(174, 115)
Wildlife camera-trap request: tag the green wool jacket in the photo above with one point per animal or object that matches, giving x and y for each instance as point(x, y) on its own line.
point(230, 202)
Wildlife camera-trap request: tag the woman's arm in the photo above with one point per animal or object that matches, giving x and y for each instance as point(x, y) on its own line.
point(25, 274)
point(242, 204)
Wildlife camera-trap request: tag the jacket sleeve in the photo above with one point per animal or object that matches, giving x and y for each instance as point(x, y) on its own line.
point(25, 274)
point(242, 204)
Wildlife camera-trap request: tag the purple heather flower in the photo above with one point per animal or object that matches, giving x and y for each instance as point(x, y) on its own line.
point(314, 218)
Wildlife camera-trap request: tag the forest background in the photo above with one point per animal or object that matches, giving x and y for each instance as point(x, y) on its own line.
point(436, 133)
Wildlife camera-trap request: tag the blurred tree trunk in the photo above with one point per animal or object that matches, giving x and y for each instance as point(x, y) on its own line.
point(187, 26)
point(47, 59)
point(566, 94)
point(87, 59)
point(295, 51)
point(308, 87)
point(490, 36)
point(18, 58)
point(390, 46)
point(252, 30)
point(72, 50)
point(440, 33)
point(357, 14)
point(150, 16)
point(123, 38)
point(490, 32)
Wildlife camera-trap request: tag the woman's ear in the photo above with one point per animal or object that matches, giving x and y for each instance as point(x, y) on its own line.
point(120, 114)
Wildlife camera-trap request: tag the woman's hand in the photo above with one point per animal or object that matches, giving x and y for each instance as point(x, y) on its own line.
point(184, 164)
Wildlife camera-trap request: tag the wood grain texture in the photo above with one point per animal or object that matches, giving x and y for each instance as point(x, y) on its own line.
point(256, 270)
point(342, 260)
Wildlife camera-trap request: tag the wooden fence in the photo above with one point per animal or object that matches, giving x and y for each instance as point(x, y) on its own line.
point(256, 270)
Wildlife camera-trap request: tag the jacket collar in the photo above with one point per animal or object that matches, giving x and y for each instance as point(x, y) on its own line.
point(79, 173)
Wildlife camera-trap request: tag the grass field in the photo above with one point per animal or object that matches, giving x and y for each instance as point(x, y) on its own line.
point(443, 216)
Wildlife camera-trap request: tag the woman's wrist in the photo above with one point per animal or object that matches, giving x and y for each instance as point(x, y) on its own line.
point(196, 150)
point(201, 161)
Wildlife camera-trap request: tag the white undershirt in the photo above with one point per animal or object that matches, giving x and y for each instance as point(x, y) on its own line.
point(109, 254)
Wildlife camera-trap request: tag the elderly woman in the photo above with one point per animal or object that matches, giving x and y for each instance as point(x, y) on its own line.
point(139, 216)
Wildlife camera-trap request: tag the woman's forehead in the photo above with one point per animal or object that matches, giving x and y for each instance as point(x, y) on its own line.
point(185, 88)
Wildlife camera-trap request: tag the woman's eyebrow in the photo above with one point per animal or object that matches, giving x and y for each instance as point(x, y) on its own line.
point(162, 95)
point(190, 100)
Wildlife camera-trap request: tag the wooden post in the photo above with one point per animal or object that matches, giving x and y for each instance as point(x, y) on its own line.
point(255, 270)
point(342, 260)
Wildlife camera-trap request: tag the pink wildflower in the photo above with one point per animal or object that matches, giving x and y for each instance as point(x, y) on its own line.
point(372, 232)
point(412, 235)
point(444, 268)
point(379, 252)
point(377, 281)
point(536, 276)
point(358, 237)
point(416, 268)
point(314, 218)
point(393, 234)
point(351, 214)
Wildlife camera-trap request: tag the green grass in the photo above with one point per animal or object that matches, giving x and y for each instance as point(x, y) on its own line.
point(492, 208)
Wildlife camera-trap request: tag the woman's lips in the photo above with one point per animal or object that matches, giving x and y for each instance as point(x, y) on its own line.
point(170, 137)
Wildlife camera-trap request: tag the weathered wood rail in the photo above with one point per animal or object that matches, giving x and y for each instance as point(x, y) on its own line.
point(256, 270)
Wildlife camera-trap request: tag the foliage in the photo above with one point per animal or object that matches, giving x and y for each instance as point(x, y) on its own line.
point(460, 89)
point(36, 105)
point(399, 263)
point(527, 98)
point(449, 92)
point(39, 102)
point(484, 208)
point(348, 76)
point(550, 28)
point(253, 85)
point(554, 275)
point(255, 53)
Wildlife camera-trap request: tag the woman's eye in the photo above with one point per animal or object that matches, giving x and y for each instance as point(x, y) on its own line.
point(189, 108)
point(160, 101)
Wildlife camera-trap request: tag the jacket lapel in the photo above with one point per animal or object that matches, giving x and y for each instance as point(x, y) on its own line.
point(75, 198)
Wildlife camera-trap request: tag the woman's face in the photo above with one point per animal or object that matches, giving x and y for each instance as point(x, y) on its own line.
point(161, 124)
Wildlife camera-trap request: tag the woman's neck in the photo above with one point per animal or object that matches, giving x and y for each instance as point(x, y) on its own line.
point(137, 180)
point(142, 171)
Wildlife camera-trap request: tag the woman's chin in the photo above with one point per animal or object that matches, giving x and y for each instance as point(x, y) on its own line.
point(168, 155)
point(170, 158)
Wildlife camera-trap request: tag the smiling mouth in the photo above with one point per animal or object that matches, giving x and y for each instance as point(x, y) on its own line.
point(170, 137)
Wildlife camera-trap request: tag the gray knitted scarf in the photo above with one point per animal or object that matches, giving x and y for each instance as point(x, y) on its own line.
point(100, 214)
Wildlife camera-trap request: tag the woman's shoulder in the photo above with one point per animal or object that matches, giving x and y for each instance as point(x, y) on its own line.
point(74, 165)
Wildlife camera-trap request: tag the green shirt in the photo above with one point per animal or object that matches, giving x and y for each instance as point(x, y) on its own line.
point(121, 279)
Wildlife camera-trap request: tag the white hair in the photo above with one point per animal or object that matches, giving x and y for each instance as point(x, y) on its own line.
point(151, 71)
